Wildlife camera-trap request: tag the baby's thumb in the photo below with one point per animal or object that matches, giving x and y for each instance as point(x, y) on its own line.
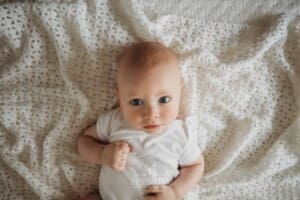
point(130, 148)
point(127, 147)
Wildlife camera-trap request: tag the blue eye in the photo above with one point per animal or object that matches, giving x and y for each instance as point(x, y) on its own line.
point(136, 102)
point(164, 99)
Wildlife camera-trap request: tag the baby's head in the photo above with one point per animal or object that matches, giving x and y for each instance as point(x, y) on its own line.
point(149, 86)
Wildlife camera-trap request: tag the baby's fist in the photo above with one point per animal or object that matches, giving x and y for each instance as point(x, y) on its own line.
point(115, 155)
point(160, 192)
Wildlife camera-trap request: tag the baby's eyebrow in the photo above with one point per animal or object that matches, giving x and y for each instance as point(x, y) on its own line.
point(132, 95)
point(163, 92)
point(160, 93)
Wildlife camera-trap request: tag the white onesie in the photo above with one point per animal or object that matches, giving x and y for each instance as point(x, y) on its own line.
point(155, 158)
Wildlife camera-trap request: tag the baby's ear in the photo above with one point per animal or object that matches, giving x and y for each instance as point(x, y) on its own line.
point(116, 99)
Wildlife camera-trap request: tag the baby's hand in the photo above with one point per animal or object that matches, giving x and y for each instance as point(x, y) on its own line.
point(115, 155)
point(160, 192)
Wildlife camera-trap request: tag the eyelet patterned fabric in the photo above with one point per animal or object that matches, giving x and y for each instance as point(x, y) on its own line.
point(57, 73)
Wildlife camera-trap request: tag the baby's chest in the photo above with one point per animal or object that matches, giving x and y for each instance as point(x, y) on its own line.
point(161, 150)
point(156, 154)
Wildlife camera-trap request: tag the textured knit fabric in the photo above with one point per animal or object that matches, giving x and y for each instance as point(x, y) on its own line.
point(57, 74)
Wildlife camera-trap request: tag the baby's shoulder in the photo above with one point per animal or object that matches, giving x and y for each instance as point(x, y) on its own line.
point(188, 121)
point(186, 126)
point(111, 114)
point(110, 119)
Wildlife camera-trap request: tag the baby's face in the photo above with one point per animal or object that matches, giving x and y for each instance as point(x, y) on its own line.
point(150, 97)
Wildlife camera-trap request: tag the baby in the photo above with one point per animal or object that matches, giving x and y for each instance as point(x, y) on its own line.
point(146, 152)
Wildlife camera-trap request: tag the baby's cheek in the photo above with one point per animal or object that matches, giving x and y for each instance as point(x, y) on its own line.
point(133, 118)
point(171, 114)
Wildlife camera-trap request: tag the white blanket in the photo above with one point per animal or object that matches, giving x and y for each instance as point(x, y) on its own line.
point(57, 73)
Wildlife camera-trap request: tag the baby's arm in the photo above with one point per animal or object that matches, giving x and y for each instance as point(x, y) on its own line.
point(189, 176)
point(92, 150)
point(187, 179)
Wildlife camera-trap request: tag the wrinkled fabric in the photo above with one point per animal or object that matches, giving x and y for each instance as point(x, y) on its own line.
point(57, 74)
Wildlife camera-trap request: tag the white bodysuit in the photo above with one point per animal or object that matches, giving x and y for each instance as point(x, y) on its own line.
point(155, 158)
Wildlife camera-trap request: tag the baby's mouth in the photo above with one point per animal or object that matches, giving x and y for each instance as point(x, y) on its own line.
point(151, 126)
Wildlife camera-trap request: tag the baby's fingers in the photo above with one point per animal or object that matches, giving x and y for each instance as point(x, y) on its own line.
point(153, 189)
point(151, 197)
point(119, 165)
point(125, 147)
point(120, 161)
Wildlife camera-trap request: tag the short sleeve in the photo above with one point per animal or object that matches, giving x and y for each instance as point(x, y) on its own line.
point(106, 124)
point(191, 151)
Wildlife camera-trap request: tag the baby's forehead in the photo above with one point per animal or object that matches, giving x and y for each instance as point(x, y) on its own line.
point(146, 54)
point(142, 59)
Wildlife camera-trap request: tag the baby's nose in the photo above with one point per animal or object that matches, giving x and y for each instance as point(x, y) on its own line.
point(151, 113)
